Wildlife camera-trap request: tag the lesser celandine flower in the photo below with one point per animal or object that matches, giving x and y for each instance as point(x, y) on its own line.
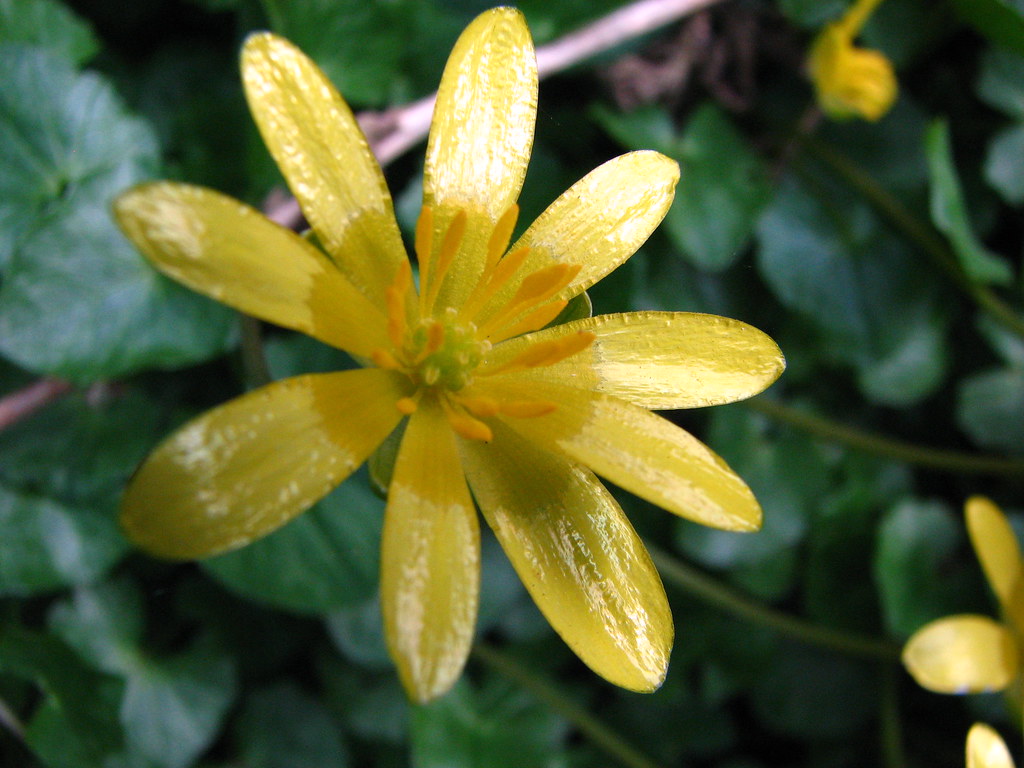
point(497, 408)
point(970, 653)
point(986, 748)
point(851, 81)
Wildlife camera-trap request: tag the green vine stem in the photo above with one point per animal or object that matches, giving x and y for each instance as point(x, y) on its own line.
point(916, 231)
point(705, 588)
point(254, 362)
point(934, 458)
point(597, 732)
point(890, 724)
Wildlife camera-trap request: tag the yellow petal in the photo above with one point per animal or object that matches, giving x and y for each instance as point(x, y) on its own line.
point(999, 553)
point(986, 749)
point(320, 149)
point(962, 654)
point(240, 471)
point(635, 449)
point(430, 558)
point(659, 359)
point(600, 221)
point(481, 136)
point(223, 248)
point(578, 556)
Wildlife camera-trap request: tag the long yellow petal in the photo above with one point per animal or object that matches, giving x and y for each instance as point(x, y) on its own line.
point(962, 654)
point(659, 359)
point(240, 471)
point(999, 553)
point(644, 453)
point(320, 149)
point(578, 556)
point(480, 136)
point(986, 748)
point(430, 558)
point(600, 221)
point(226, 250)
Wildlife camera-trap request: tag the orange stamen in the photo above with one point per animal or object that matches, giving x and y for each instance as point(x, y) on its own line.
point(395, 296)
point(536, 287)
point(544, 353)
point(407, 405)
point(535, 320)
point(479, 405)
point(449, 247)
point(465, 425)
point(527, 409)
point(424, 242)
point(384, 359)
point(492, 281)
point(501, 236)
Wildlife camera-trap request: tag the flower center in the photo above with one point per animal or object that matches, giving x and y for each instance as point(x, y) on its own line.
point(440, 348)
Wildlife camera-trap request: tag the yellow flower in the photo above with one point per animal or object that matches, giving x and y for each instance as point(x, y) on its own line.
point(851, 81)
point(986, 749)
point(495, 404)
point(969, 653)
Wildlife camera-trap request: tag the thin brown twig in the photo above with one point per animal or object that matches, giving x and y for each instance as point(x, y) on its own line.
point(22, 403)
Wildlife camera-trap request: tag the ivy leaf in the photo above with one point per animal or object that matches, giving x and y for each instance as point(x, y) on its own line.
point(949, 212)
point(327, 558)
point(49, 24)
point(916, 540)
point(76, 300)
point(496, 727)
point(990, 409)
point(282, 727)
point(1001, 21)
point(45, 545)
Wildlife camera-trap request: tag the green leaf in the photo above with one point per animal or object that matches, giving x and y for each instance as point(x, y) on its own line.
point(825, 256)
point(103, 624)
point(1001, 83)
point(74, 726)
point(327, 558)
point(76, 300)
point(364, 67)
point(723, 187)
point(282, 727)
point(810, 694)
point(812, 13)
point(1001, 21)
point(916, 541)
point(496, 727)
point(173, 709)
point(49, 24)
point(1004, 164)
point(45, 545)
point(949, 212)
point(990, 409)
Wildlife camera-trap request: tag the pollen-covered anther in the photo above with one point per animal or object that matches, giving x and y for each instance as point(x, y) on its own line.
point(527, 409)
point(465, 425)
point(384, 359)
point(395, 296)
point(537, 287)
point(544, 353)
point(407, 405)
point(479, 405)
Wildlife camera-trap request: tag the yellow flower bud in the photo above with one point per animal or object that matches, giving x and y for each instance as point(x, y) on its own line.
point(851, 81)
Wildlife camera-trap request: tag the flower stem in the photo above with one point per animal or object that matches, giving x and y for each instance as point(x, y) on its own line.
point(22, 403)
point(916, 231)
point(714, 593)
point(889, 717)
point(934, 458)
point(254, 362)
point(599, 733)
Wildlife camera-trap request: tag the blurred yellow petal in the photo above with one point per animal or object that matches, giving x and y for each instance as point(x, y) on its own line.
point(320, 149)
point(481, 136)
point(246, 468)
point(600, 221)
point(644, 453)
point(578, 556)
point(231, 252)
point(962, 654)
point(986, 749)
point(851, 81)
point(999, 553)
point(660, 360)
point(430, 558)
